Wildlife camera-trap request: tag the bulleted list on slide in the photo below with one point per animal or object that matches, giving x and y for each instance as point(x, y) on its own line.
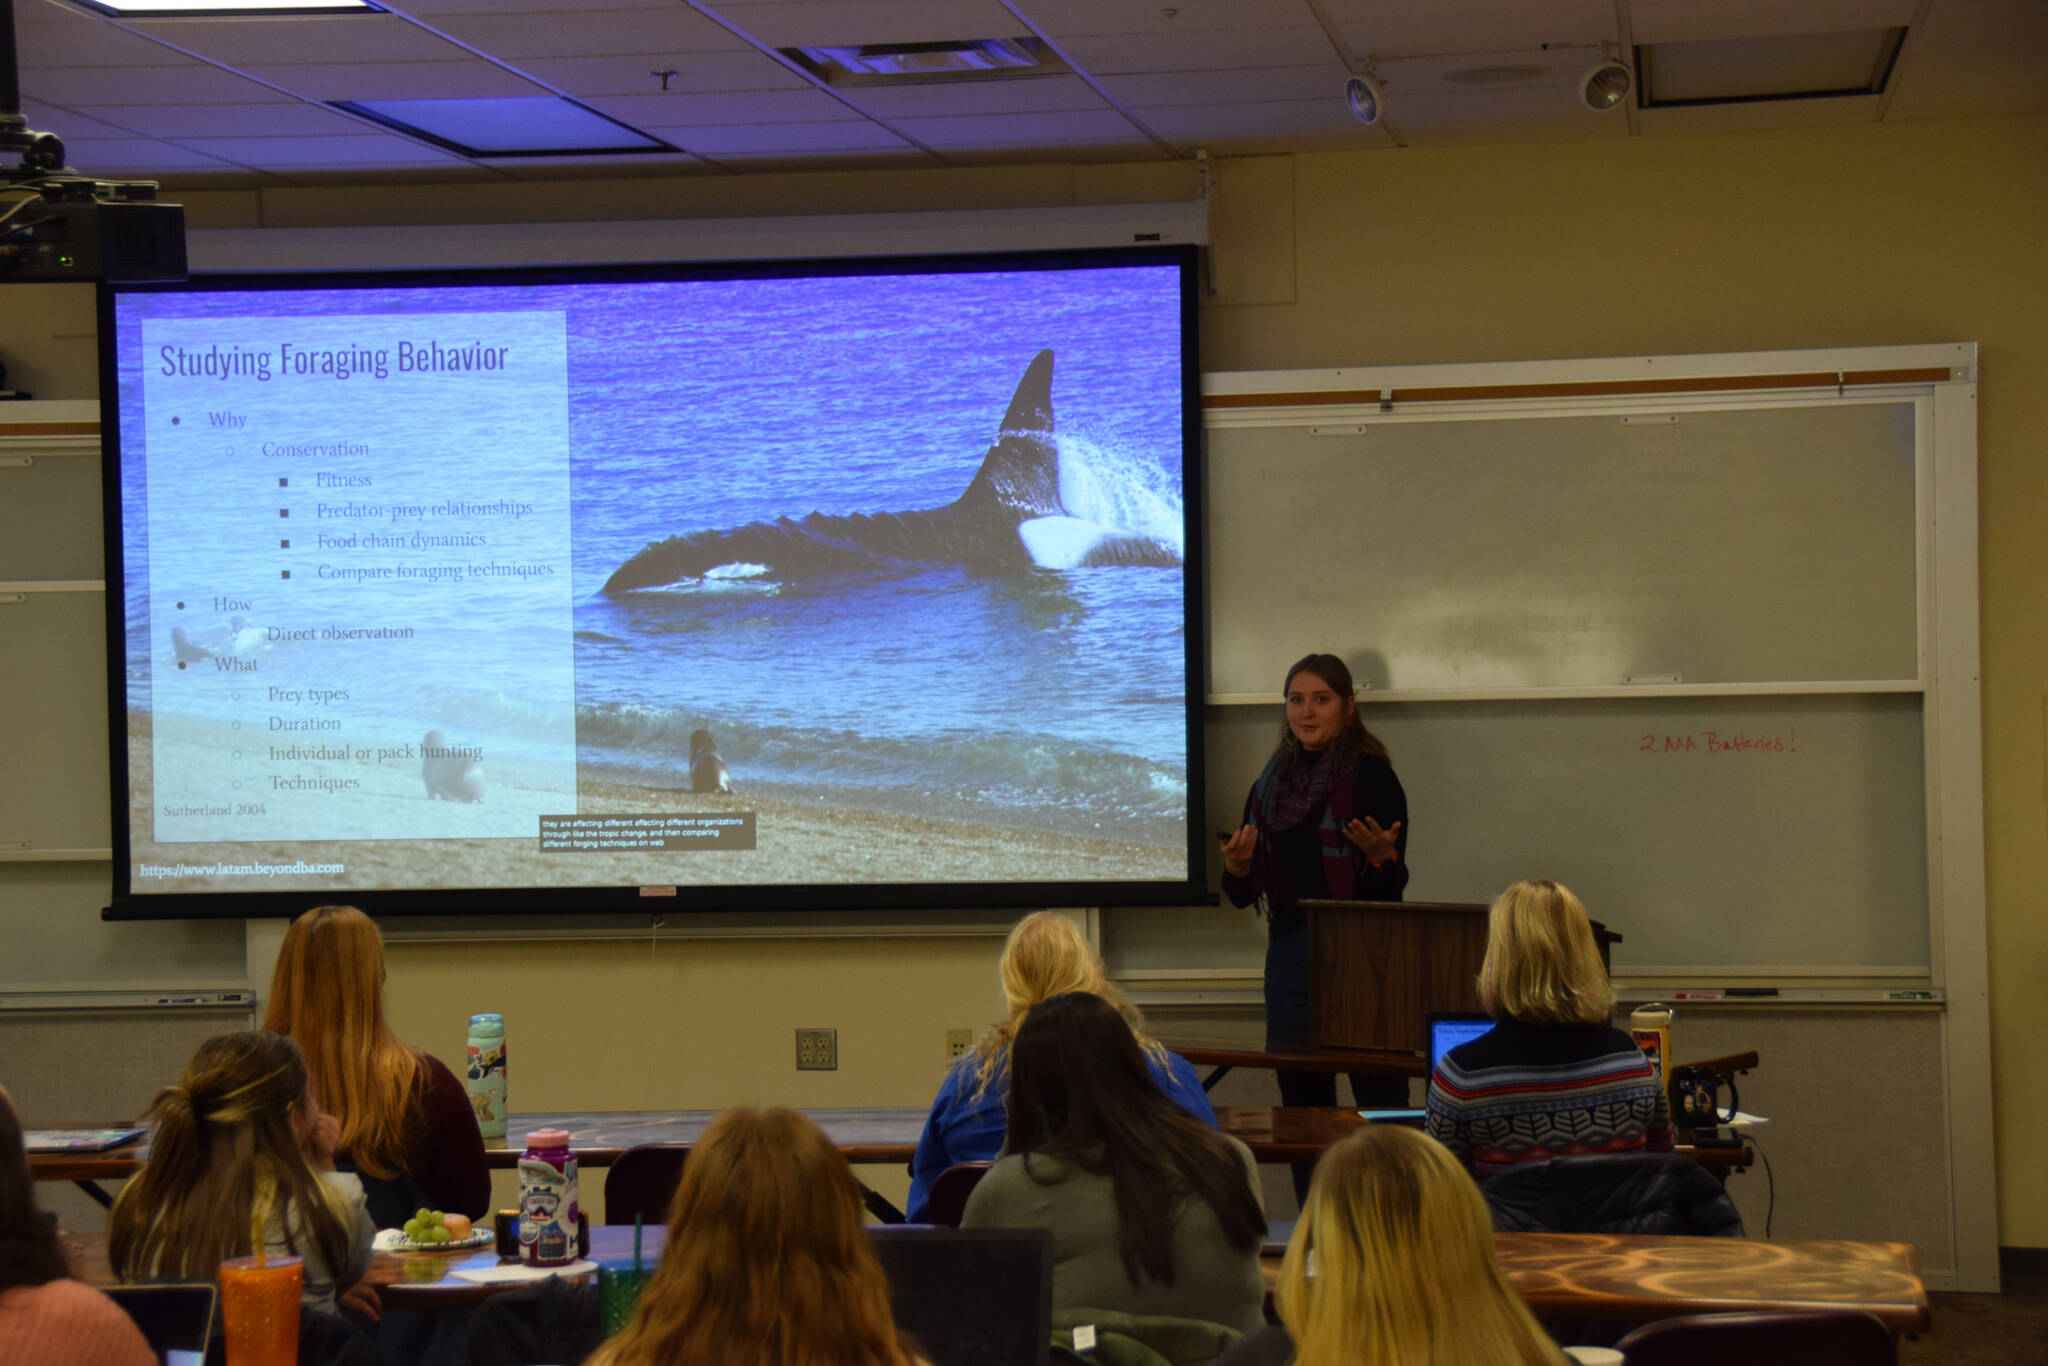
point(360, 602)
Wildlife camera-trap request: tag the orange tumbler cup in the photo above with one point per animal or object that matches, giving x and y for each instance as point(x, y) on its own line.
point(259, 1310)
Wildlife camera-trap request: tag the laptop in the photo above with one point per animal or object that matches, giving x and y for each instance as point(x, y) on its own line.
point(1446, 1029)
point(176, 1318)
point(971, 1297)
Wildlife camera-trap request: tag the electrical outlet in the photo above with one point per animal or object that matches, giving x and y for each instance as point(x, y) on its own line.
point(959, 1043)
point(817, 1050)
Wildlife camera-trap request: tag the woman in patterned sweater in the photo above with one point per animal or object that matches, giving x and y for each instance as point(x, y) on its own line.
point(1552, 1078)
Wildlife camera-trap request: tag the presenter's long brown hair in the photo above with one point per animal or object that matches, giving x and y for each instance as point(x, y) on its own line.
point(767, 1261)
point(328, 994)
point(1335, 672)
point(224, 1160)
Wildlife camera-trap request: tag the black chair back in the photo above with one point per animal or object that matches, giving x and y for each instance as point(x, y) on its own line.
point(948, 1200)
point(642, 1182)
point(1654, 1193)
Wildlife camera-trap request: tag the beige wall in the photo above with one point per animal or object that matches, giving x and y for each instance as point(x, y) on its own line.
point(1754, 241)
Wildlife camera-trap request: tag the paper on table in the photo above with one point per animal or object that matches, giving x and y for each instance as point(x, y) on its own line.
point(511, 1273)
point(1744, 1120)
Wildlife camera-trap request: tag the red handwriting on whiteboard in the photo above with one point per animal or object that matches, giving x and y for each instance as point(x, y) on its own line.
point(1720, 742)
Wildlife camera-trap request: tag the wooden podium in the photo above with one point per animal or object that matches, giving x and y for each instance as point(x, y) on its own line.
point(1376, 967)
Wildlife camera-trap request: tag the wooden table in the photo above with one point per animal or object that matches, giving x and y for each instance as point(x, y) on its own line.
point(1612, 1279)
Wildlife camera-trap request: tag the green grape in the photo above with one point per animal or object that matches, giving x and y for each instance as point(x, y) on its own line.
point(436, 1219)
point(412, 1229)
point(441, 1235)
point(421, 1214)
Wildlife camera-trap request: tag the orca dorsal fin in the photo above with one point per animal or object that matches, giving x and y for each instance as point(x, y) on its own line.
point(1021, 470)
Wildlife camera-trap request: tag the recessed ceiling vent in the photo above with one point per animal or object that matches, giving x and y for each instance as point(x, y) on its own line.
point(973, 59)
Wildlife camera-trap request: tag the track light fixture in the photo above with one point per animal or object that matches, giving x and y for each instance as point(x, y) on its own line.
point(1606, 86)
point(1368, 100)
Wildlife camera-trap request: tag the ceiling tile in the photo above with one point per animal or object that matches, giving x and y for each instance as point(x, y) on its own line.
point(694, 74)
point(1039, 94)
point(293, 119)
point(1245, 85)
point(1505, 115)
point(1324, 118)
point(305, 38)
point(470, 79)
point(361, 149)
point(755, 106)
point(795, 163)
point(819, 23)
point(1064, 19)
point(1679, 21)
point(1989, 59)
point(860, 135)
point(191, 83)
point(88, 44)
point(138, 156)
point(637, 33)
point(1021, 130)
point(76, 125)
point(434, 10)
point(1402, 28)
point(1206, 50)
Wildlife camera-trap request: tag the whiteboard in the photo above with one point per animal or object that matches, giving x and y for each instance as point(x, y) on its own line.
point(1711, 545)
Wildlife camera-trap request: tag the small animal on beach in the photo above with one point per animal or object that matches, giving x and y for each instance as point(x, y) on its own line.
point(450, 774)
point(708, 772)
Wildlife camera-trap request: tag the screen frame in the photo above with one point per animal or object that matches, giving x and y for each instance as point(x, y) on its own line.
point(127, 904)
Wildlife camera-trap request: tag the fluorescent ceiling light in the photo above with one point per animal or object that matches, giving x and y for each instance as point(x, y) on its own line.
point(1794, 66)
point(531, 127)
point(974, 59)
point(223, 8)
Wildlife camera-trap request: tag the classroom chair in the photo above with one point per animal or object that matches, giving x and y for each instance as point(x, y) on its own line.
point(1833, 1337)
point(950, 1191)
point(1652, 1193)
point(642, 1182)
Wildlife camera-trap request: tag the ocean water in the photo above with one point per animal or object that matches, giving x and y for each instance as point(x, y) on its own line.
point(1047, 698)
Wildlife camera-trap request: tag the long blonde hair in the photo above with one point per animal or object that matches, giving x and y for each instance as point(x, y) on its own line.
point(1404, 1269)
point(1541, 962)
point(328, 994)
point(767, 1259)
point(1046, 956)
point(225, 1166)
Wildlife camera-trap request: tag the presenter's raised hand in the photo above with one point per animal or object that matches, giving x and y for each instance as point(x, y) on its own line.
point(1237, 851)
point(1376, 844)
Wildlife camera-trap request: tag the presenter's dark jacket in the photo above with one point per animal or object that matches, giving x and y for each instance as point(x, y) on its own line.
point(1298, 858)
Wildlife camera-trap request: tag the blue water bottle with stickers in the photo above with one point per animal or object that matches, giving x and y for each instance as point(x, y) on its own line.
point(486, 1073)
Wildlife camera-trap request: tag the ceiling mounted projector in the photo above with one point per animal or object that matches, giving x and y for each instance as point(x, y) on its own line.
point(1606, 86)
point(1367, 100)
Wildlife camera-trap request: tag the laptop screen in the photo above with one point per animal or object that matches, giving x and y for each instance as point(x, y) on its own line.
point(1449, 1029)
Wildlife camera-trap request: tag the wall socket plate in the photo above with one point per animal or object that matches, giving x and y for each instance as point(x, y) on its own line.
point(959, 1043)
point(817, 1050)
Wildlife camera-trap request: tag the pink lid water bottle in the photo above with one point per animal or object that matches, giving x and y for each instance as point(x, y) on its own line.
point(548, 1210)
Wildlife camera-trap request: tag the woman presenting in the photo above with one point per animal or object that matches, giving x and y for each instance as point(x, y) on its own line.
point(1327, 819)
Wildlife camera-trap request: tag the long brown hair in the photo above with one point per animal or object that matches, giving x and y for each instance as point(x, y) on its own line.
point(1046, 956)
point(1392, 1260)
point(29, 1252)
point(225, 1162)
point(328, 994)
point(767, 1260)
point(1354, 738)
point(1079, 1092)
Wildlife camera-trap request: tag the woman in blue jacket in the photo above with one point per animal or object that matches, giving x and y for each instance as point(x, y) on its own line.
point(1044, 957)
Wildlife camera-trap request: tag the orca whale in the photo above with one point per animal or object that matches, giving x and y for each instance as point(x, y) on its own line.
point(1010, 518)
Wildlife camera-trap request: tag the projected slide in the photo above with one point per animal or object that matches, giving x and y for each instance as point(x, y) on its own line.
point(789, 581)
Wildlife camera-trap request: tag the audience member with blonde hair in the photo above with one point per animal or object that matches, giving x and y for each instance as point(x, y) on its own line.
point(1155, 1218)
point(767, 1261)
point(46, 1317)
point(1045, 956)
point(407, 1125)
point(1552, 1078)
point(1392, 1262)
point(240, 1147)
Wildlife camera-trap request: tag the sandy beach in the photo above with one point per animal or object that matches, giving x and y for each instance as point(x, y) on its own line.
point(798, 841)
